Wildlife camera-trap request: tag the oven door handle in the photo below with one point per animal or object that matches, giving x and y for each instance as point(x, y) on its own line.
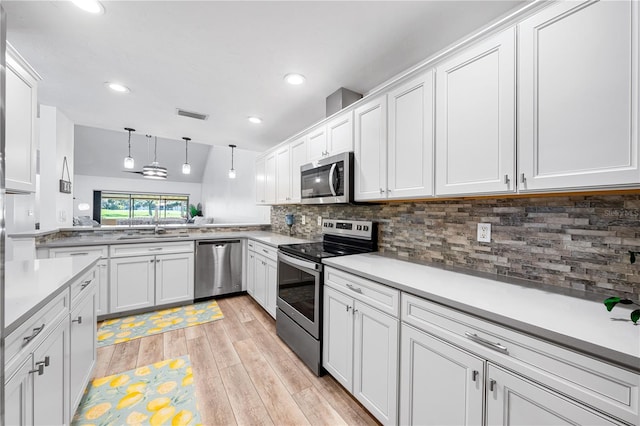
point(331, 172)
point(299, 262)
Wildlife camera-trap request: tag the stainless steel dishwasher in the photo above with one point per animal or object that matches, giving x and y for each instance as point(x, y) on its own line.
point(218, 268)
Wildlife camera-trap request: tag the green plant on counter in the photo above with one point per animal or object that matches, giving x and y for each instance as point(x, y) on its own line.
point(195, 211)
point(613, 301)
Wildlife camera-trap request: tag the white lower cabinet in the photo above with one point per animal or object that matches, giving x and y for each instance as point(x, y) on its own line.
point(83, 345)
point(102, 275)
point(132, 283)
point(18, 395)
point(360, 350)
point(440, 384)
point(514, 400)
point(51, 387)
point(262, 279)
point(146, 275)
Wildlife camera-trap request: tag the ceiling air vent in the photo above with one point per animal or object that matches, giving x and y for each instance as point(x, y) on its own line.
point(191, 114)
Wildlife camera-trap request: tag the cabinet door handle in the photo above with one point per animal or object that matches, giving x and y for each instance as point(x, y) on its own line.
point(85, 284)
point(151, 261)
point(492, 384)
point(352, 288)
point(348, 307)
point(523, 179)
point(39, 370)
point(78, 320)
point(155, 249)
point(506, 179)
point(158, 260)
point(381, 191)
point(484, 342)
point(355, 311)
point(34, 333)
point(474, 375)
point(79, 254)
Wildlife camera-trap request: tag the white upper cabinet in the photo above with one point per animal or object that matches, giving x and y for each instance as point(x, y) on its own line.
point(410, 144)
point(340, 134)
point(475, 129)
point(283, 175)
point(261, 181)
point(370, 162)
point(578, 96)
point(20, 131)
point(270, 178)
point(317, 144)
point(334, 137)
point(298, 153)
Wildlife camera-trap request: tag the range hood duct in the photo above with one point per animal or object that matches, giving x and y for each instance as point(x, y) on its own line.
point(340, 99)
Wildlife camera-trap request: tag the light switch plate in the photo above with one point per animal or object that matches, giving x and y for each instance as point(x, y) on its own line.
point(319, 220)
point(484, 232)
point(304, 219)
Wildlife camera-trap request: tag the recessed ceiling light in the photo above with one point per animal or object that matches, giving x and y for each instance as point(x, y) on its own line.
point(91, 6)
point(255, 120)
point(295, 79)
point(117, 87)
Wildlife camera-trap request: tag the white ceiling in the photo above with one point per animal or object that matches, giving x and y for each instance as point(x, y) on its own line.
point(100, 152)
point(227, 59)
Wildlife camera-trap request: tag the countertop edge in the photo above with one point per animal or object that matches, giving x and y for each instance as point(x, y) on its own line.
point(592, 350)
point(10, 328)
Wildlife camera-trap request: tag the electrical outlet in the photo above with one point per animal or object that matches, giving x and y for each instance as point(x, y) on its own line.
point(484, 232)
point(303, 219)
point(319, 220)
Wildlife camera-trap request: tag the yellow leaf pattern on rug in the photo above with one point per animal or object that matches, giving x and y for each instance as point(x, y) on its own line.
point(154, 397)
point(134, 327)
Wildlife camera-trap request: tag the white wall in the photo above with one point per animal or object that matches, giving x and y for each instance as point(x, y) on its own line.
point(231, 200)
point(83, 187)
point(54, 209)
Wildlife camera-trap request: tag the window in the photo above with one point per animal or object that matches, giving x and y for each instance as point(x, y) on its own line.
point(122, 208)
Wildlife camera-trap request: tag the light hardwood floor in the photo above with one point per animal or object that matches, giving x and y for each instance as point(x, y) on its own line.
point(244, 374)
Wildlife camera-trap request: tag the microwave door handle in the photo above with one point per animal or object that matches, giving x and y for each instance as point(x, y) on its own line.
point(331, 172)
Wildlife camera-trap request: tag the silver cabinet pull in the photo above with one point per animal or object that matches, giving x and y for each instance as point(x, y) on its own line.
point(39, 370)
point(348, 307)
point(506, 179)
point(474, 375)
point(151, 261)
point(523, 179)
point(265, 251)
point(34, 333)
point(155, 249)
point(381, 191)
point(79, 254)
point(352, 288)
point(78, 320)
point(158, 260)
point(492, 385)
point(484, 342)
point(85, 284)
point(355, 311)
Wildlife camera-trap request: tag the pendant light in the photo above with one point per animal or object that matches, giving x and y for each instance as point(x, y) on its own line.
point(232, 171)
point(154, 170)
point(128, 160)
point(186, 167)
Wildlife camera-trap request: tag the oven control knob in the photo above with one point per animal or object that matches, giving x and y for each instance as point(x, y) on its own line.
point(359, 227)
point(365, 227)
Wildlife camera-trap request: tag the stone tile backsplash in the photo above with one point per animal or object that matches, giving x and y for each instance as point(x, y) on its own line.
point(579, 242)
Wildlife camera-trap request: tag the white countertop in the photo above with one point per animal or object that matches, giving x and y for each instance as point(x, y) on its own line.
point(269, 238)
point(574, 322)
point(31, 284)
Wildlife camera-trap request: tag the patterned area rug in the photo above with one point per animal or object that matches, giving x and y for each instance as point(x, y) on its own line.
point(134, 327)
point(156, 394)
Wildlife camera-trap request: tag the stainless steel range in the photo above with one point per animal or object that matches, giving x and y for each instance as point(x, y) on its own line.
point(300, 282)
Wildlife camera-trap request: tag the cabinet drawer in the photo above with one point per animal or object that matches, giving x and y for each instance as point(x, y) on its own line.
point(380, 296)
point(125, 250)
point(80, 251)
point(37, 326)
point(79, 287)
point(591, 381)
point(251, 245)
point(266, 251)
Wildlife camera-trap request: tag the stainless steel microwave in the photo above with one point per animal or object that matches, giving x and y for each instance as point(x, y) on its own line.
point(328, 180)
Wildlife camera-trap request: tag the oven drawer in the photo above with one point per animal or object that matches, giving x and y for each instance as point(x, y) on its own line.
point(591, 381)
point(380, 296)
